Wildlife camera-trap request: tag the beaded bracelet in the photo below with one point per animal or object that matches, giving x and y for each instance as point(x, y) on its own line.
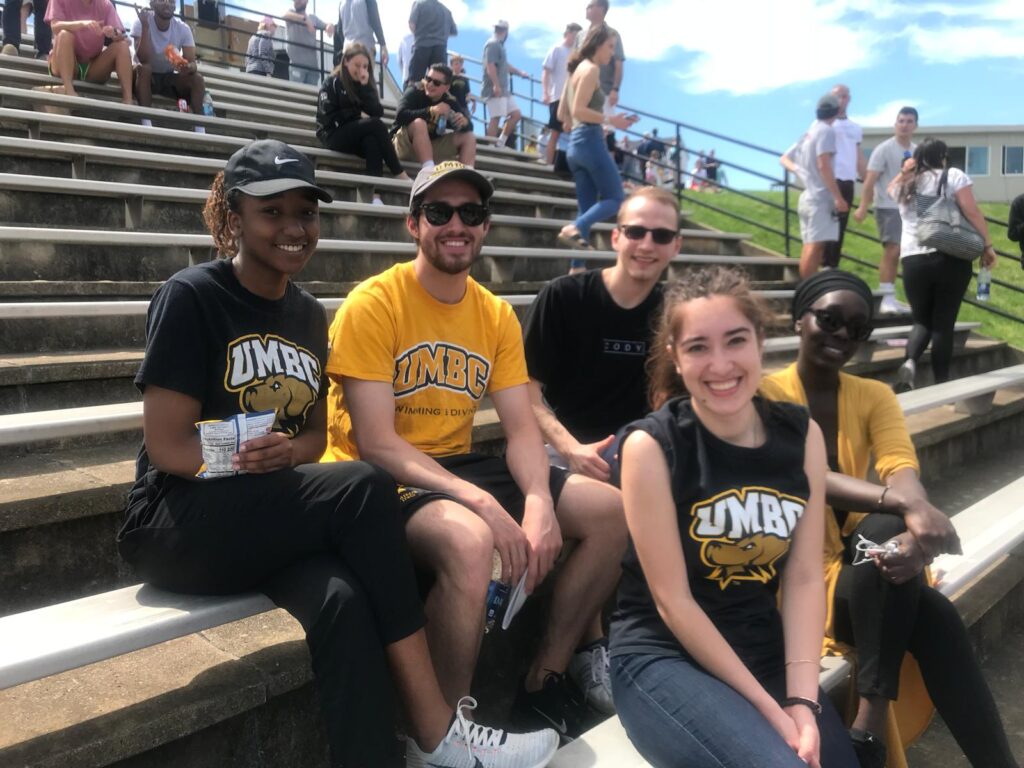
point(803, 701)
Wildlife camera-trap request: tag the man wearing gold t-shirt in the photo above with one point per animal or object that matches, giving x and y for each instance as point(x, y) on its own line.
point(414, 350)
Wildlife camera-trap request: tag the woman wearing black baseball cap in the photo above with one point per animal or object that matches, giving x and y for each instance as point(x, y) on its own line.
point(324, 541)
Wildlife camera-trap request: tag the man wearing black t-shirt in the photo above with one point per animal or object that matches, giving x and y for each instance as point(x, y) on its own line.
point(587, 336)
point(586, 341)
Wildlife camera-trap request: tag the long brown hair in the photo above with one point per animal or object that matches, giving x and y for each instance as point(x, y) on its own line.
point(596, 37)
point(215, 214)
point(664, 381)
point(351, 86)
point(930, 155)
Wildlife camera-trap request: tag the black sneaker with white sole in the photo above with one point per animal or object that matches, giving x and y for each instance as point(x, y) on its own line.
point(559, 704)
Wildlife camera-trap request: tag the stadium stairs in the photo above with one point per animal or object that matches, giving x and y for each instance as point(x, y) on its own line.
point(96, 211)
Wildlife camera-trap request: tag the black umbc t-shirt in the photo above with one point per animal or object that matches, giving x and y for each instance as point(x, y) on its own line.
point(589, 353)
point(737, 510)
point(211, 339)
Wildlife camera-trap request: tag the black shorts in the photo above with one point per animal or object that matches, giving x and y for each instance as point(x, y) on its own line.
point(164, 84)
point(487, 472)
point(553, 122)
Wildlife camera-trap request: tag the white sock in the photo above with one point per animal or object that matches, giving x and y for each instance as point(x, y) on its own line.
point(147, 122)
point(428, 165)
point(200, 129)
point(887, 288)
point(501, 141)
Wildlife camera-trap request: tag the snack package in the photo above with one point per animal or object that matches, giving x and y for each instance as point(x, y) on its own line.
point(222, 439)
point(179, 62)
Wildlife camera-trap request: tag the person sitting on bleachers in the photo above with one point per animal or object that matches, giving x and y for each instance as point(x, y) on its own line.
point(152, 33)
point(724, 495)
point(586, 340)
point(883, 607)
point(348, 115)
point(259, 53)
point(323, 541)
point(415, 350)
point(430, 125)
point(89, 43)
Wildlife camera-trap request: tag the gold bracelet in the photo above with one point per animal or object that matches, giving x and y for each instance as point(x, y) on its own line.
point(803, 661)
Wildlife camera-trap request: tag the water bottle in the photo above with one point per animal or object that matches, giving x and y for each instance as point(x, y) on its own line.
point(984, 284)
point(207, 105)
point(442, 125)
point(497, 594)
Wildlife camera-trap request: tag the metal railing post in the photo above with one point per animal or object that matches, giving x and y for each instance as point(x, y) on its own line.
point(679, 186)
point(785, 199)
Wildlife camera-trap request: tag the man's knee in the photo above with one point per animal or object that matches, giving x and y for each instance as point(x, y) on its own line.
point(143, 73)
point(417, 127)
point(64, 37)
point(515, 117)
point(465, 139)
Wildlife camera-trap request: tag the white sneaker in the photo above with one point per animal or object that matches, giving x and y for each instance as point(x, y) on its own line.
point(471, 745)
point(888, 305)
point(9, 50)
point(589, 670)
point(500, 142)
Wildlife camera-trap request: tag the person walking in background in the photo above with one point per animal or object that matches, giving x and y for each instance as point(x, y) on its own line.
point(432, 24)
point(13, 28)
point(611, 72)
point(934, 281)
point(496, 90)
point(884, 165)
point(359, 22)
point(303, 52)
point(348, 115)
point(405, 56)
point(259, 54)
point(820, 202)
point(554, 73)
point(599, 190)
point(848, 164)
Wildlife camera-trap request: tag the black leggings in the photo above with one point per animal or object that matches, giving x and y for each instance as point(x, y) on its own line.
point(323, 541)
point(935, 284)
point(12, 26)
point(883, 621)
point(368, 138)
point(834, 248)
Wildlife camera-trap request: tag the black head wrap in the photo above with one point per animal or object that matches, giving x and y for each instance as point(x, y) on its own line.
point(826, 281)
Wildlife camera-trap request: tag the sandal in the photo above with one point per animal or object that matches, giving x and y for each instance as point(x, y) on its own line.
point(574, 241)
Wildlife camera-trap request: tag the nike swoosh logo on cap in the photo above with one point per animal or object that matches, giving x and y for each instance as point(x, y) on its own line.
point(476, 764)
point(282, 161)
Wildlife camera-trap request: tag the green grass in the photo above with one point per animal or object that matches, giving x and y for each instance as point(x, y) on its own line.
point(1007, 270)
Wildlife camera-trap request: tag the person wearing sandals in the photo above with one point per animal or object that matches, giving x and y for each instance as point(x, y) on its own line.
point(599, 190)
point(881, 604)
point(235, 336)
point(934, 281)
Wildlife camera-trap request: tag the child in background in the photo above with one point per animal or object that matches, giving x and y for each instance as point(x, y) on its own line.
point(259, 56)
point(460, 86)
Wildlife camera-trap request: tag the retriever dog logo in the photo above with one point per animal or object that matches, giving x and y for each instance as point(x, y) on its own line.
point(288, 397)
point(751, 558)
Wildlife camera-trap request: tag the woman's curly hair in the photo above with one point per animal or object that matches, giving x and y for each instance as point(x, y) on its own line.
point(215, 214)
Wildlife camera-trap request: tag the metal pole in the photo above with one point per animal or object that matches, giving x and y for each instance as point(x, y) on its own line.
point(679, 172)
point(785, 200)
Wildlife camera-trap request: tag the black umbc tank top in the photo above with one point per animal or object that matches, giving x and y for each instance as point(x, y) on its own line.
point(737, 510)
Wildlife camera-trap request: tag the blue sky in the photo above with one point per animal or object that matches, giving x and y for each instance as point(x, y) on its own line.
point(755, 69)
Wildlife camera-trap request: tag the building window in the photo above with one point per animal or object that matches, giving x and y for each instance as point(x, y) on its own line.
point(956, 157)
point(977, 161)
point(1013, 161)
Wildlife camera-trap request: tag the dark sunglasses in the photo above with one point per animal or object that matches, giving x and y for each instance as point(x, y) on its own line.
point(830, 322)
point(435, 83)
point(472, 214)
point(661, 236)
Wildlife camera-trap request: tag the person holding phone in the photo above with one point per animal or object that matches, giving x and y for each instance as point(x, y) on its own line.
point(89, 43)
point(154, 30)
point(599, 190)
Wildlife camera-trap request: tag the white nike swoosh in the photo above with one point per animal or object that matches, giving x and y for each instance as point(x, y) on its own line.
point(279, 161)
point(561, 727)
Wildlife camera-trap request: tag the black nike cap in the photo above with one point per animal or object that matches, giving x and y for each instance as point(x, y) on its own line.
point(268, 167)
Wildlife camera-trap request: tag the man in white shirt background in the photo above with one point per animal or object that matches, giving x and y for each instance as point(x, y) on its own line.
point(554, 73)
point(849, 165)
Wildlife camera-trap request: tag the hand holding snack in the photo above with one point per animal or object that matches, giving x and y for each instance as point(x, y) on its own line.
point(179, 62)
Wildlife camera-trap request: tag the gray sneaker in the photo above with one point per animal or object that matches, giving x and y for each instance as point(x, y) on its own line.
point(9, 50)
point(589, 670)
point(471, 745)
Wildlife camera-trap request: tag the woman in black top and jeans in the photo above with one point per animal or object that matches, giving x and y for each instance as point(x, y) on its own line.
point(323, 541)
point(348, 115)
point(724, 496)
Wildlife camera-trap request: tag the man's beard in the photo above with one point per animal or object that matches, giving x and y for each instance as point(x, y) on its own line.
point(450, 265)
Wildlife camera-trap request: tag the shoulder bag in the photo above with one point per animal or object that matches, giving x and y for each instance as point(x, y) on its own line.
point(941, 225)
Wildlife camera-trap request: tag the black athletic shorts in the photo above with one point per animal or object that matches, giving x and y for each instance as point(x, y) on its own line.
point(487, 472)
point(553, 122)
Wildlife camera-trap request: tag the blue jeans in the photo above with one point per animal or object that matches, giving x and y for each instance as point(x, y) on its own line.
point(598, 186)
point(677, 715)
point(303, 75)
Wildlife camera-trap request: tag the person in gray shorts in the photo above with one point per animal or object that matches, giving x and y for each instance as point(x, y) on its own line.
point(821, 201)
point(884, 164)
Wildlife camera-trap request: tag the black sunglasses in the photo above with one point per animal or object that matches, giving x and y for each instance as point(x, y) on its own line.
point(661, 236)
point(438, 214)
point(830, 322)
point(436, 83)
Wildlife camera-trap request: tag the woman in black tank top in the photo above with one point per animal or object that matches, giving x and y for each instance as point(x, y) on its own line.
point(724, 497)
